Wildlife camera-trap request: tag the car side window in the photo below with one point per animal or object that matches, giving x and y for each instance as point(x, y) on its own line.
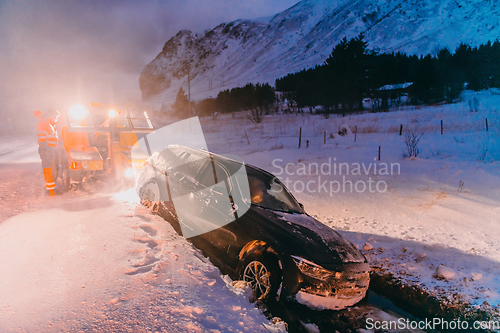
point(165, 159)
point(191, 165)
point(207, 178)
point(258, 192)
point(268, 192)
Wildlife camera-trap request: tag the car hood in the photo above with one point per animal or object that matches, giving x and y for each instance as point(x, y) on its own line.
point(312, 239)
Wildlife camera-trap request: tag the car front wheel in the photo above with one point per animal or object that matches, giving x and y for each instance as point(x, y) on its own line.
point(263, 274)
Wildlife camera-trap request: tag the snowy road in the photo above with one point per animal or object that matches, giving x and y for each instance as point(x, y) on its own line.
point(101, 262)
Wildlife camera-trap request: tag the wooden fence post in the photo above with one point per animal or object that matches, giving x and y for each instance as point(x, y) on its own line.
point(486, 124)
point(441, 127)
point(379, 153)
point(324, 137)
point(300, 136)
point(247, 137)
point(401, 129)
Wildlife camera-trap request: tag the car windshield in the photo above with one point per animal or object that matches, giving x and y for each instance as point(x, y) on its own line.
point(268, 192)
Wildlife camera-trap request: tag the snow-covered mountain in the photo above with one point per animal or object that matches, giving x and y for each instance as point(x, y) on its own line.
point(235, 53)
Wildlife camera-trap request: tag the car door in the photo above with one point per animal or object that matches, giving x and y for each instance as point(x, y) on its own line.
point(201, 204)
point(218, 210)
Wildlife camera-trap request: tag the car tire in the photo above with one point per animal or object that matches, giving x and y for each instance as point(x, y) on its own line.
point(65, 178)
point(150, 195)
point(263, 274)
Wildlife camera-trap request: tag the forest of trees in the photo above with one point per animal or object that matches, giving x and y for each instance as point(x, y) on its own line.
point(353, 72)
point(259, 98)
point(256, 98)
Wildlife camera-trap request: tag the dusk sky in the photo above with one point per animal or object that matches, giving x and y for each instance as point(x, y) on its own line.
point(57, 53)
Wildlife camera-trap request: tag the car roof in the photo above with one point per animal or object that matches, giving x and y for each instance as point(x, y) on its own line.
point(221, 158)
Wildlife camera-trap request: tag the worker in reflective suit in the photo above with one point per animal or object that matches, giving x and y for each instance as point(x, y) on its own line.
point(47, 141)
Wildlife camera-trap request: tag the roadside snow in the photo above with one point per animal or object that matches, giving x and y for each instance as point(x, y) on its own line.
point(101, 262)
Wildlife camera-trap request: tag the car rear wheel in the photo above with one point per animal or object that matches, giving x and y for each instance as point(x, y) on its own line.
point(150, 194)
point(263, 274)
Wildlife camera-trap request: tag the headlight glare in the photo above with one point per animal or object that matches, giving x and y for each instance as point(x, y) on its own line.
point(311, 269)
point(78, 112)
point(129, 173)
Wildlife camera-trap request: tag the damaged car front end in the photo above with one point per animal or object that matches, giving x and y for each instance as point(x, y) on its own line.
point(334, 289)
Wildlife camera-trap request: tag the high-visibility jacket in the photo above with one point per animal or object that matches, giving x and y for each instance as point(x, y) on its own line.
point(47, 133)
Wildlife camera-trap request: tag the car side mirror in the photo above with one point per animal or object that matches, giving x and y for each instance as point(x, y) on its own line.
point(301, 206)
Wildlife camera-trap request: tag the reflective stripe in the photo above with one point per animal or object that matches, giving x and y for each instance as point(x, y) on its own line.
point(46, 133)
point(49, 180)
point(42, 136)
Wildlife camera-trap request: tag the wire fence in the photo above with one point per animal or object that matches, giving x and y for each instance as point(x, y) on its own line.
point(459, 138)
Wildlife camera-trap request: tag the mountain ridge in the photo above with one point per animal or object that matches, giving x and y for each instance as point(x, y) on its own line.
point(303, 36)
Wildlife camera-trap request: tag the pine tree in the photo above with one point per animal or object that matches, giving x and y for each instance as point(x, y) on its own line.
point(426, 81)
point(347, 77)
point(181, 105)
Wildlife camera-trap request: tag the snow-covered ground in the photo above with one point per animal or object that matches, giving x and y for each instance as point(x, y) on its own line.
point(101, 262)
point(436, 225)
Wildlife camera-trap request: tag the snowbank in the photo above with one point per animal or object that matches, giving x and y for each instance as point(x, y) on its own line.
point(102, 263)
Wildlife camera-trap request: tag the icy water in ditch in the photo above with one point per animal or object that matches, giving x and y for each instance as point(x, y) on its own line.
point(301, 318)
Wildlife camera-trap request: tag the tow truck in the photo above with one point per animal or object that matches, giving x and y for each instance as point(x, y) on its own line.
point(97, 143)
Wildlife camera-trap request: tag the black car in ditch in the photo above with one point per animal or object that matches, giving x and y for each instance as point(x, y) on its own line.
point(252, 228)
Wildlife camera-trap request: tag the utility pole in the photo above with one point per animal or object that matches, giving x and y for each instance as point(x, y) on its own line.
point(189, 92)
